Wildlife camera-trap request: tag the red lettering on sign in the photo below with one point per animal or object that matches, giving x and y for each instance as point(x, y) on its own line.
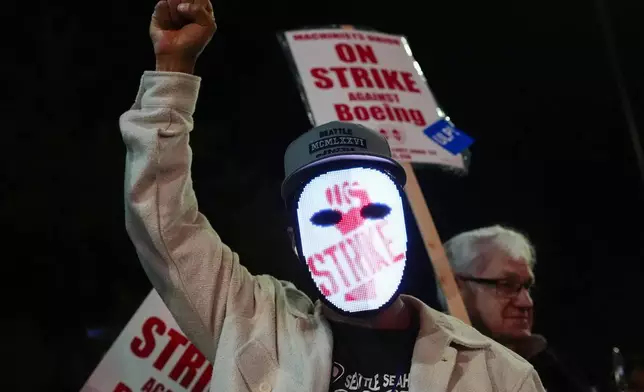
point(391, 79)
point(340, 73)
point(321, 80)
point(190, 362)
point(149, 385)
point(345, 53)
point(366, 96)
point(160, 388)
point(153, 386)
point(384, 40)
point(120, 387)
point(204, 380)
point(376, 77)
point(343, 112)
point(356, 53)
point(176, 339)
point(381, 112)
point(319, 36)
point(393, 134)
point(358, 77)
point(361, 113)
point(410, 83)
point(361, 77)
point(378, 113)
point(142, 348)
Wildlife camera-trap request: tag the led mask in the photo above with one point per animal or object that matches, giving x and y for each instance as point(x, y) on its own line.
point(352, 237)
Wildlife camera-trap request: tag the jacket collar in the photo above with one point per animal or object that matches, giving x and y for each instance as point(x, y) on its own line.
point(530, 346)
point(443, 329)
point(437, 327)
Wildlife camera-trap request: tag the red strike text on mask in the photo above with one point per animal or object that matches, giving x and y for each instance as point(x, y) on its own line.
point(352, 261)
point(191, 370)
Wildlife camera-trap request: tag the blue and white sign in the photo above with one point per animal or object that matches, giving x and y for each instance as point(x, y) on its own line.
point(443, 133)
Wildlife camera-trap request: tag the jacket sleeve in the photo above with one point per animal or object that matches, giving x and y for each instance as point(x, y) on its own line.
point(198, 277)
point(531, 383)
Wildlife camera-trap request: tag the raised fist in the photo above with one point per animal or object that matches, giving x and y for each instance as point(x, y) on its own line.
point(180, 30)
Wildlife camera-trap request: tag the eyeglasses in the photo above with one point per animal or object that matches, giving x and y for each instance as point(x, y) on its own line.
point(504, 287)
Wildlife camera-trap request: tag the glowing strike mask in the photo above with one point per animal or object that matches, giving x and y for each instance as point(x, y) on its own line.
point(353, 238)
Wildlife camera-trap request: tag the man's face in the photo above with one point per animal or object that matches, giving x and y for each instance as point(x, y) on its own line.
point(353, 237)
point(495, 309)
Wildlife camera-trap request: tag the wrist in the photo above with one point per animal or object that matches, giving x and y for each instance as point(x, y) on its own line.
point(174, 64)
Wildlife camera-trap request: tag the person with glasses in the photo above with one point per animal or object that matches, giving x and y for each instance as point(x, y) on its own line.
point(493, 268)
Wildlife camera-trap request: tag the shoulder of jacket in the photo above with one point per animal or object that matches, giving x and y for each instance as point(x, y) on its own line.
point(288, 296)
point(508, 369)
point(467, 336)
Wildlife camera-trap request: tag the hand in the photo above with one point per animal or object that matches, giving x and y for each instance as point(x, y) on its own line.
point(180, 30)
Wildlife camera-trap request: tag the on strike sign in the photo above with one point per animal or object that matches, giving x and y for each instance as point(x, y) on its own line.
point(151, 355)
point(369, 78)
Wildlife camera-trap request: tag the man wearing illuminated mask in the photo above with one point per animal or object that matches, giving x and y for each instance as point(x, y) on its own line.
point(344, 192)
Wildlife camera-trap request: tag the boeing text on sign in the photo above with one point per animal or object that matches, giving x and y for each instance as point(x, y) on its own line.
point(369, 78)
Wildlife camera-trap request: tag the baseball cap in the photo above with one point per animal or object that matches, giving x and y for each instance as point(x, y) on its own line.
point(336, 141)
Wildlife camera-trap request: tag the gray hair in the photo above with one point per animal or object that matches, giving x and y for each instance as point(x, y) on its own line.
point(465, 249)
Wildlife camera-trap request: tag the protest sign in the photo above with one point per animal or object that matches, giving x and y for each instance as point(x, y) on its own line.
point(152, 355)
point(369, 78)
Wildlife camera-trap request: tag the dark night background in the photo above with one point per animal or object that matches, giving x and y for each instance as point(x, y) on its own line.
point(530, 81)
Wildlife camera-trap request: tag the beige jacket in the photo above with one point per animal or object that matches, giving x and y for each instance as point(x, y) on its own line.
point(261, 334)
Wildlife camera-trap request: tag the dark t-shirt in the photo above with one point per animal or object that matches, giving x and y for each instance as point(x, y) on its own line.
point(370, 360)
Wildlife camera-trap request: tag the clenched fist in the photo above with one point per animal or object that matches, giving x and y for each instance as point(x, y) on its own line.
point(180, 30)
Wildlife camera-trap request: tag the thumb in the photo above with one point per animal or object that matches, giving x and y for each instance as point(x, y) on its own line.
point(197, 13)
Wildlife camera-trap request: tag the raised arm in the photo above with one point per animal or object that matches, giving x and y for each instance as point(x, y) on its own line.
point(198, 277)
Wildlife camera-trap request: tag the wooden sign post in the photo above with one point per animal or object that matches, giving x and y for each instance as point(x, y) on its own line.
point(433, 245)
